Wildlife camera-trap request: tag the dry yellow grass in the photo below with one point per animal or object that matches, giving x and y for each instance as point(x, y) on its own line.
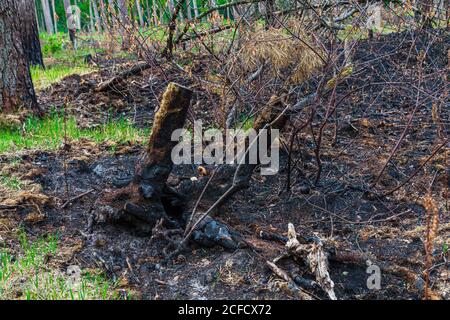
point(292, 54)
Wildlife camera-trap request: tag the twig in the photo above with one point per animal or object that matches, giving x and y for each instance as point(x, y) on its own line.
point(65, 204)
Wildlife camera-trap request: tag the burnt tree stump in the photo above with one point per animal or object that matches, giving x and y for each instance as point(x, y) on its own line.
point(146, 199)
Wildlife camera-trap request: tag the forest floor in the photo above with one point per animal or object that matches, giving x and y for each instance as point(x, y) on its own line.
point(388, 230)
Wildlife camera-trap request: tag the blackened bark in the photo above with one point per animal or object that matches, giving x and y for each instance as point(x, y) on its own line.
point(30, 40)
point(16, 86)
point(141, 202)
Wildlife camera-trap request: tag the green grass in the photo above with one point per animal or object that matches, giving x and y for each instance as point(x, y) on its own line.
point(42, 78)
point(60, 60)
point(10, 183)
point(27, 275)
point(49, 133)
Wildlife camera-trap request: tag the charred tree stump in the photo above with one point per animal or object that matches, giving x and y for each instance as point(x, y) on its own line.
point(147, 198)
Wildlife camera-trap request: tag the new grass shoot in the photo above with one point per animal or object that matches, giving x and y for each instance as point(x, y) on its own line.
point(49, 133)
point(28, 274)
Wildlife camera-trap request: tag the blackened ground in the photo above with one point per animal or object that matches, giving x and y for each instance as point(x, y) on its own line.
point(344, 209)
point(345, 221)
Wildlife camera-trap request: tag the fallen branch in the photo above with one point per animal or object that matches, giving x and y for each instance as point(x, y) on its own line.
point(114, 81)
point(65, 204)
point(315, 257)
point(205, 33)
point(291, 283)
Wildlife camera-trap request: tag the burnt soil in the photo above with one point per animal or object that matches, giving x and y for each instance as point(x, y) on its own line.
point(343, 209)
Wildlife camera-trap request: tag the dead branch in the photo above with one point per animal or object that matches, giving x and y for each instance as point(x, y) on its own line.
point(209, 11)
point(70, 201)
point(114, 81)
point(291, 283)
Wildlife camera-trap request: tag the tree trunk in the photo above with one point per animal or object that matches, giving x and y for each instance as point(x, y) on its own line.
point(91, 18)
point(161, 13)
point(194, 2)
point(140, 15)
point(37, 18)
point(155, 16)
point(188, 9)
point(70, 27)
point(112, 11)
point(55, 17)
point(141, 202)
point(149, 15)
point(103, 15)
point(47, 16)
point(16, 86)
point(97, 21)
point(30, 33)
point(124, 23)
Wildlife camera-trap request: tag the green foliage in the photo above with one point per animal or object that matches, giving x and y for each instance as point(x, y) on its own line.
point(26, 275)
point(10, 183)
point(43, 78)
point(51, 43)
point(48, 133)
point(60, 60)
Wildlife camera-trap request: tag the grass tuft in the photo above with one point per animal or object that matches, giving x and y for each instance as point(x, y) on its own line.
point(43, 78)
point(27, 275)
point(48, 133)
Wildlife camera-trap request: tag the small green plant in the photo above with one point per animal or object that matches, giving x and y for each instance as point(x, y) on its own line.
point(27, 275)
point(11, 183)
point(445, 248)
point(51, 43)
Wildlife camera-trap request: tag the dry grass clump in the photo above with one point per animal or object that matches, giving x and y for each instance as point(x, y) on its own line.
point(229, 276)
point(13, 121)
point(18, 191)
point(10, 122)
point(290, 53)
point(25, 197)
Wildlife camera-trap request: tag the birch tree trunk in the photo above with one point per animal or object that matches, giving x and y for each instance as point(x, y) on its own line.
point(194, 2)
point(96, 16)
point(155, 15)
point(16, 86)
point(188, 9)
point(149, 15)
point(124, 23)
point(112, 10)
point(47, 16)
point(70, 27)
point(140, 15)
point(55, 17)
point(91, 18)
point(37, 17)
